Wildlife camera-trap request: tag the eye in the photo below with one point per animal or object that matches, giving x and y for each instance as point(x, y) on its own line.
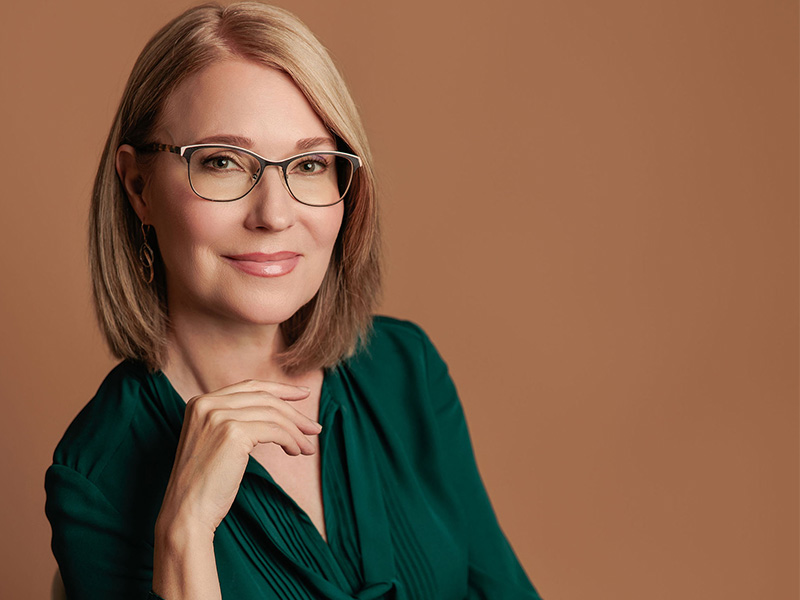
point(311, 165)
point(222, 162)
point(219, 162)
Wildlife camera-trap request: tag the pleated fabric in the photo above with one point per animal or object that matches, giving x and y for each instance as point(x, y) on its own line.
point(407, 516)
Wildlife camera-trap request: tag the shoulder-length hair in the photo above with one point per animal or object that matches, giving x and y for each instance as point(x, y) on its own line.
point(132, 313)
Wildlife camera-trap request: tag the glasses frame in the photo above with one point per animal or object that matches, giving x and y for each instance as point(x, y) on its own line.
point(187, 151)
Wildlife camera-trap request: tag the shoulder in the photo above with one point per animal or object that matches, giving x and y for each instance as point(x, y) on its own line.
point(111, 468)
point(397, 331)
point(397, 347)
point(386, 323)
point(108, 421)
point(399, 372)
point(391, 334)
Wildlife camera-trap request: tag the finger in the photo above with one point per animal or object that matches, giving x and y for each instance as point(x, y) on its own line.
point(202, 405)
point(280, 390)
point(284, 391)
point(284, 434)
point(260, 423)
point(280, 413)
point(254, 406)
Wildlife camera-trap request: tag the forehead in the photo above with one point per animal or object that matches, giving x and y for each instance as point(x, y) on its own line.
point(240, 98)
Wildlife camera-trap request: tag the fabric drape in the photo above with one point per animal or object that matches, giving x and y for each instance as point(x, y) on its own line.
point(407, 516)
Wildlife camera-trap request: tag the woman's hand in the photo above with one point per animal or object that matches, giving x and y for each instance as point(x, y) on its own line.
point(220, 430)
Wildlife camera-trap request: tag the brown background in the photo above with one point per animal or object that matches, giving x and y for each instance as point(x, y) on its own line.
point(592, 207)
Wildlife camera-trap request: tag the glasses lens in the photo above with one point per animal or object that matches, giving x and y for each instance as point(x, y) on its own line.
point(222, 174)
point(319, 179)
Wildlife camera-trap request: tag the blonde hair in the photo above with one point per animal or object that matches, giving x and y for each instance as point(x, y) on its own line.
point(132, 313)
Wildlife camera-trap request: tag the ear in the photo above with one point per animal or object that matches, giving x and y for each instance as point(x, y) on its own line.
point(133, 180)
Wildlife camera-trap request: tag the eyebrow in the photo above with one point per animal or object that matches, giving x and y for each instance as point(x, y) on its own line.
point(231, 140)
point(315, 142)
point(244, 142)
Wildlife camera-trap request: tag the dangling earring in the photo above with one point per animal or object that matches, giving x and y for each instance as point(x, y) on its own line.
point(146, 256)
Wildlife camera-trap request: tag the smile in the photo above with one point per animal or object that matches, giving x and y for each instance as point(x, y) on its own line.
point(275, 264)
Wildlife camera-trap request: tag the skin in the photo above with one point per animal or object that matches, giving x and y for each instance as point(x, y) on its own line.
point(225, 323)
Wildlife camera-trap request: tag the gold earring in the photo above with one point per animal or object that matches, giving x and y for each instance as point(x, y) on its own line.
point(146, 256)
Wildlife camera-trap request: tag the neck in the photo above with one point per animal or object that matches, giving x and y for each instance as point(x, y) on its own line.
point(204, 355)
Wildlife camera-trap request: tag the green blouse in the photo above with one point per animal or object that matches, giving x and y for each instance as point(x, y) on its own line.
point(406, 513)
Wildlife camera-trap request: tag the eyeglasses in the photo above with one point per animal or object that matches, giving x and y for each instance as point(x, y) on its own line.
point(224, 173)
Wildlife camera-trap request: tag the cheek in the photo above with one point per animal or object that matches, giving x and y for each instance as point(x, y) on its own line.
point(328, 226)
point(184, 226)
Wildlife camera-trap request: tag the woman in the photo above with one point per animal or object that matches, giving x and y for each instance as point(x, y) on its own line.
point(264, 437)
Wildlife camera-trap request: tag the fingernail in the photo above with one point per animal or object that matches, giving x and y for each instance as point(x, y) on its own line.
point(304, 388)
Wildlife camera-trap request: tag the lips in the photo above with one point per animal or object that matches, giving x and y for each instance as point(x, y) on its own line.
point(260, 264)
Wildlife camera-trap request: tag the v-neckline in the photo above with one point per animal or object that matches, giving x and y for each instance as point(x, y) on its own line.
point(378, 571)
point(254, 467)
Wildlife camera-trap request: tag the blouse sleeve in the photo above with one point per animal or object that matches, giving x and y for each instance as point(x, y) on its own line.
point(96, 553)
point(494, 571)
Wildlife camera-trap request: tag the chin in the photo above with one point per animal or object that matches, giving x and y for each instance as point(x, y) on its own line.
point(270, 311)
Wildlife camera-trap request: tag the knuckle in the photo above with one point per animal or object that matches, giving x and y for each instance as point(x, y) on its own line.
point(270, 413)
point(213, 417)
point(231, 429)
point(274, 430)
point(266, 396)
point(200, 405)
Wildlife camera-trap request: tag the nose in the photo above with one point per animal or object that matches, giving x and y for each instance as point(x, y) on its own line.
point(271, 207)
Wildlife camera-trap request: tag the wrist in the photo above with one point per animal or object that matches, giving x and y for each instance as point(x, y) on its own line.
point(184, 566)
point(179, 534)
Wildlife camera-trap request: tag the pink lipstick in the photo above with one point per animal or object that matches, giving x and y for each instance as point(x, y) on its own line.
point(260, 264)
